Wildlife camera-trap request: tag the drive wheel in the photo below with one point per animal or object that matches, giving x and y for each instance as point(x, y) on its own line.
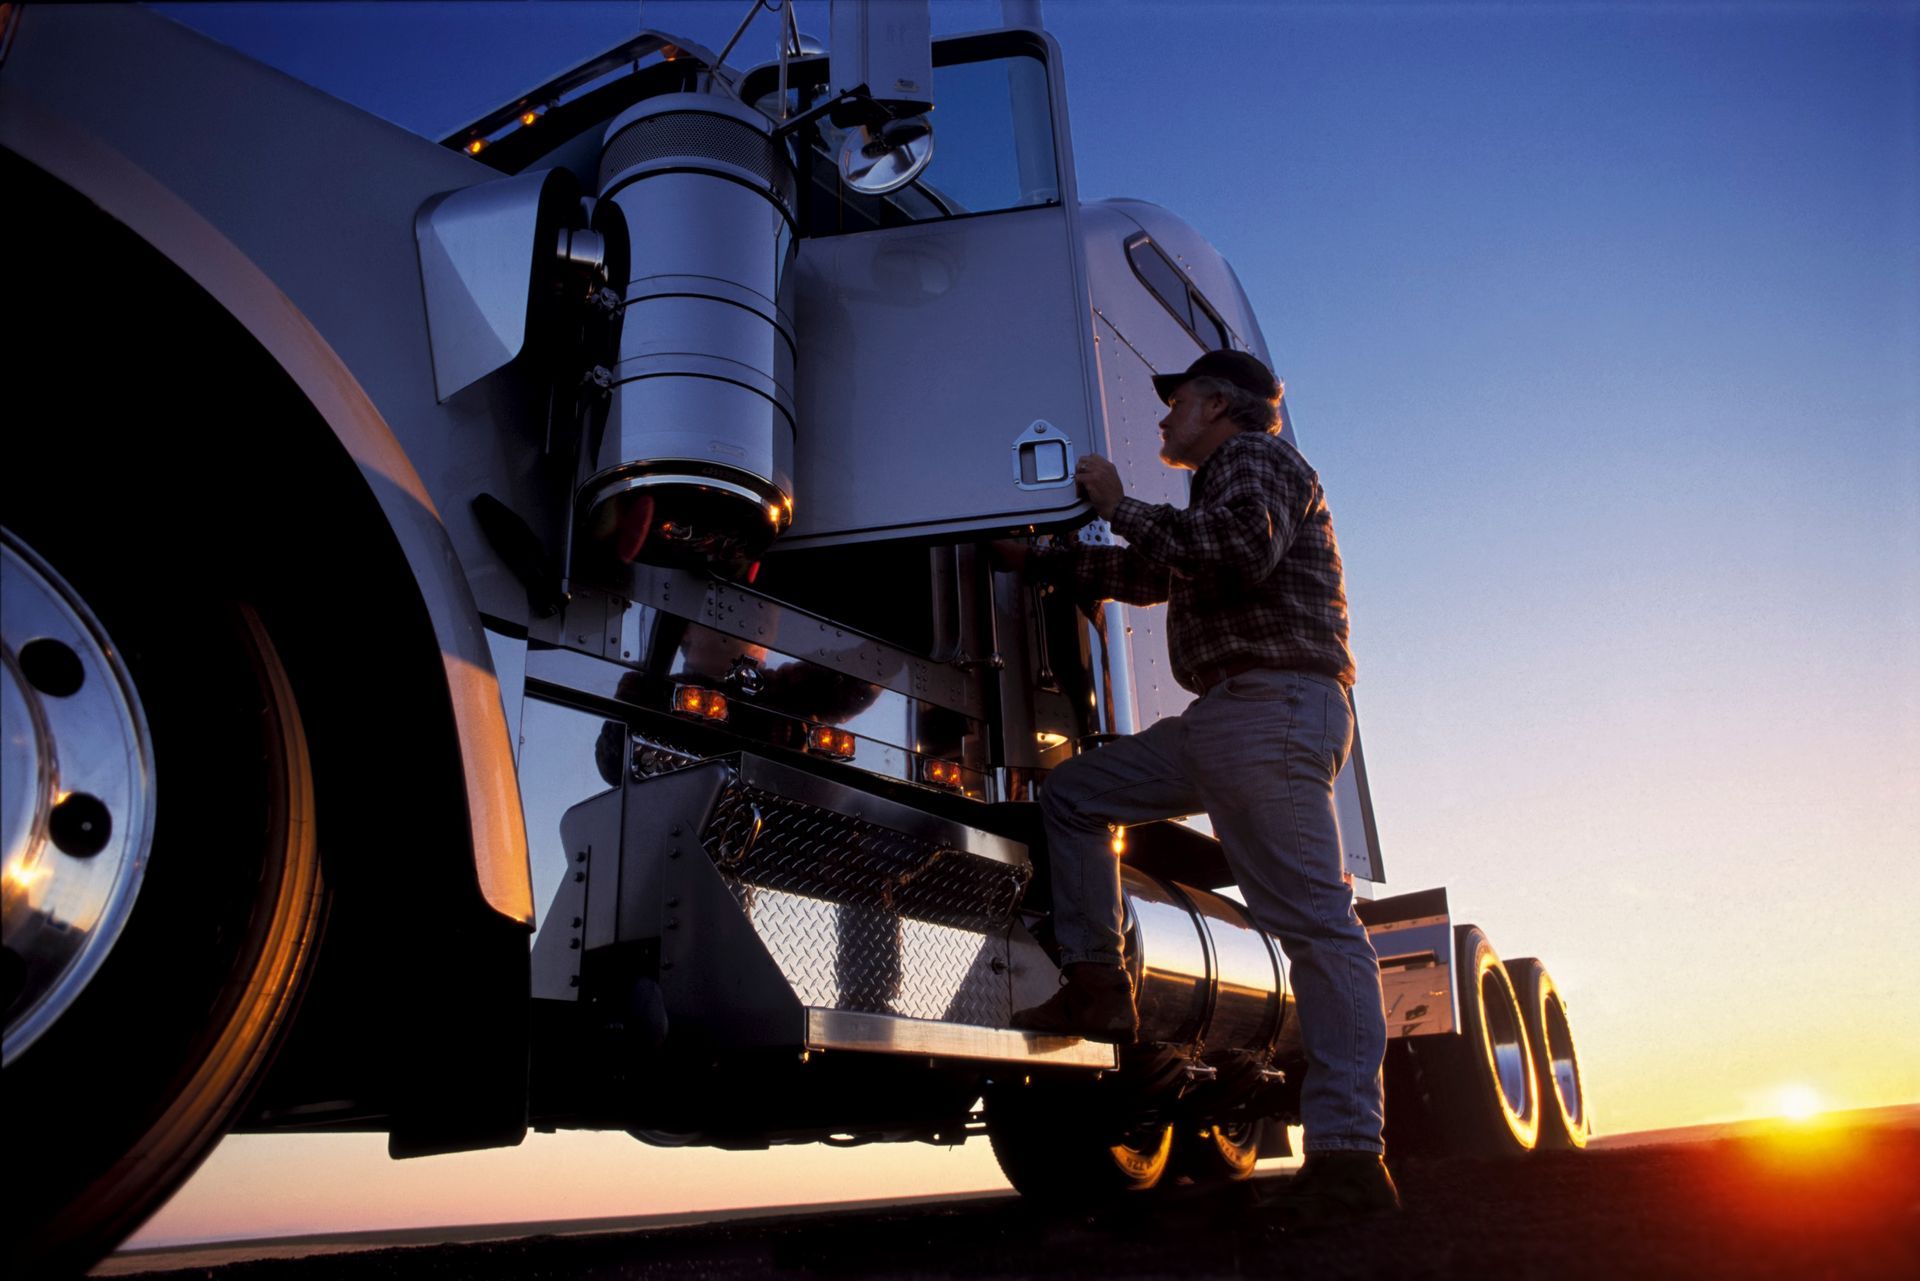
point(1218, 1153)
point(1564, 1122)
point(1474, 1092)
point(1056, 1149)
point(162, 888)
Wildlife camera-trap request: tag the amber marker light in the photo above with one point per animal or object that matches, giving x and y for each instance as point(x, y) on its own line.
point(529, 117)
point(477, 146)
point(699, 704)
point(942, 774)
point(825, 740)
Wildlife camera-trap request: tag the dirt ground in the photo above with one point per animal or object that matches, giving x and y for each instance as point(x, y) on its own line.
point(1801, 1204)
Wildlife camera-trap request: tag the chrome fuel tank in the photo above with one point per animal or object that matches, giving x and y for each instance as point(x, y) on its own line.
point(1202, 973)
point(695, 465)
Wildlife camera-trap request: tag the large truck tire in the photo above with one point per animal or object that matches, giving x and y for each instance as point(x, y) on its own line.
point(1474, 1092)
point(136, 1070)
point(1220, 1153)
point(1058, 1152)
point(1565, 1122)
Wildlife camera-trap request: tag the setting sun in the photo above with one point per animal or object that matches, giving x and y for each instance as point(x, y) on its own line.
point(1799, 1102)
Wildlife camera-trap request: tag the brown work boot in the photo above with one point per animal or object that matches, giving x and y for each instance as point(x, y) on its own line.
point(1095, 1001)
point(1335, 1187)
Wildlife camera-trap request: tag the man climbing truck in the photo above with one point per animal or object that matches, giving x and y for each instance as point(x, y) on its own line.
point(497, 636)
point(1257, 629)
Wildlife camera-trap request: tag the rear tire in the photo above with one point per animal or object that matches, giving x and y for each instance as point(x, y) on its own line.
point(1475, 1092)
point(116, 1103)
point(1565, 1122)
point(1220, 1153)
point(1057, 1150)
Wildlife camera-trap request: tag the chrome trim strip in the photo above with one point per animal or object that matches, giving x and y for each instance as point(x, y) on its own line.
point(885, 1034)
point(838, 798)
point(792, 631)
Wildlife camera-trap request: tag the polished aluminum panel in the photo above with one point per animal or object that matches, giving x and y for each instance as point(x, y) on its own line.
point(848, 957)
point(570, 756)
point(1169, 956)
point(881, 1034)
point(1413, 936)
point(478, 249)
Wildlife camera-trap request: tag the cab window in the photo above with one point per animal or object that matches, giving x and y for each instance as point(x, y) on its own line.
point(1195, 314)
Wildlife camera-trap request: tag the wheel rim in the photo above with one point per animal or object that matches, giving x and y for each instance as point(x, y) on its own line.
point(1506, 1044)
point(76, 794)
point(179, 1120)
point(1142, 1158)
point(1563, 1065)
point(1235, 1145)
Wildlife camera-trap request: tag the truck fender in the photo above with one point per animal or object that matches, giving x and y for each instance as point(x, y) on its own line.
point(496, 829)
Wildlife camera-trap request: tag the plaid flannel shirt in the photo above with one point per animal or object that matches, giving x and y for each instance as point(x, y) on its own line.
point(1250, 566)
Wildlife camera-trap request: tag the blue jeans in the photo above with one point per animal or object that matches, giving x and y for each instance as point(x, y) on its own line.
point(1258, 753)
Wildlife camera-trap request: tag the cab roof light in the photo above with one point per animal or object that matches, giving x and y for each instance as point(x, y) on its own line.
point(835, 744)
point(699, 704)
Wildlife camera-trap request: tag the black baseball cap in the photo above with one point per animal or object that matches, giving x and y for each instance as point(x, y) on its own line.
point(1237, 367)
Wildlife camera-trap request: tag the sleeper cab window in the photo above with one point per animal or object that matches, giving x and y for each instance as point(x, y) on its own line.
point(1193, 312)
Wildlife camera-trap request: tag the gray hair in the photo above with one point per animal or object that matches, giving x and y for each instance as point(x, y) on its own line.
point(1248, 411)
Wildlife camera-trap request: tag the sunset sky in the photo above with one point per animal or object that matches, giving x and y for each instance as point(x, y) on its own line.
point(1602, 326)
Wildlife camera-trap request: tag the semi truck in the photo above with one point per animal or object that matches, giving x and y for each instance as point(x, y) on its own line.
point(501, 630)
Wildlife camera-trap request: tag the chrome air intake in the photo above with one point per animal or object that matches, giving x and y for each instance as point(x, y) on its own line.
point(695, 466)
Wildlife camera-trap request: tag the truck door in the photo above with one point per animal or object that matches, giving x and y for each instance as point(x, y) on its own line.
point(945, 372)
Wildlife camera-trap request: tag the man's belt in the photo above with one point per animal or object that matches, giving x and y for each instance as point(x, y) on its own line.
point(1212, 674)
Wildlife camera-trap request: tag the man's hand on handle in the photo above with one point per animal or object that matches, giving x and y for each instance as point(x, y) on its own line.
point(1099, 480)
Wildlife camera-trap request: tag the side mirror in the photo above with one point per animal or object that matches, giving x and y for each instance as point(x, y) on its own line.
point(876, 160)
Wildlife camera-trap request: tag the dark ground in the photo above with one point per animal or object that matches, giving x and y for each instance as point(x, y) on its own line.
point(1830, 1202)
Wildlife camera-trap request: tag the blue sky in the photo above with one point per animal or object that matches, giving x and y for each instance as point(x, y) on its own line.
point(1602, 325)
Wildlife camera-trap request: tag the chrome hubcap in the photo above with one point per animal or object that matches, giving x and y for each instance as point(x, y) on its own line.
point(1507, 1041)
point(1565, 1065)
point(76, 794)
